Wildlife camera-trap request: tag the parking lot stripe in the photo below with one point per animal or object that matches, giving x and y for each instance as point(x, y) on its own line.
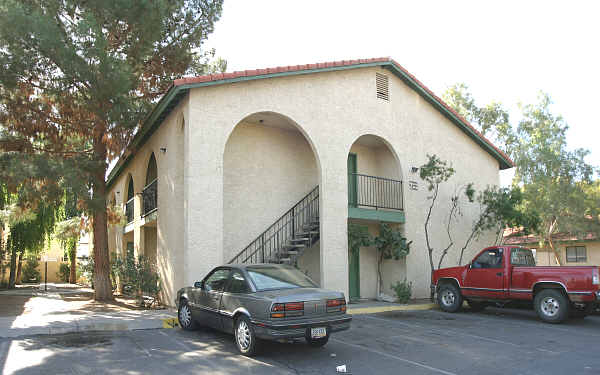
point(434, 369)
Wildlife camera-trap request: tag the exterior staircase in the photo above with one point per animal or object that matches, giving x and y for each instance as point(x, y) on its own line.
point(286, 239)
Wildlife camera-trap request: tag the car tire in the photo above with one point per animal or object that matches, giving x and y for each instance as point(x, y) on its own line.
point(477, 306)
point(580, 313)
point(245, 338)
point(449, 298)
point(184, 316)
point(551, 305)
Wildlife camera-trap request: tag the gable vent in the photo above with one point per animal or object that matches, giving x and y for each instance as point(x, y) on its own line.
point(382, 82)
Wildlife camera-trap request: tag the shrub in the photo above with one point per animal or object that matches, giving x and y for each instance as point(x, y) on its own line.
point(64, 272)
point(30, 272)
point(137, 277)
point(403, 290)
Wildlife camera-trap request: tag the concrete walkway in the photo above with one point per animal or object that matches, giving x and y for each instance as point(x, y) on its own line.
point(30, 311)
point(373, 307)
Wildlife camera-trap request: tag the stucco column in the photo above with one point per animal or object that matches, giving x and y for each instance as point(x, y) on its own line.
point(203, 197)
point(333, 211)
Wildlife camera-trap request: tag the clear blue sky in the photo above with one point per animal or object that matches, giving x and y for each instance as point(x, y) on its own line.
point(504, 50)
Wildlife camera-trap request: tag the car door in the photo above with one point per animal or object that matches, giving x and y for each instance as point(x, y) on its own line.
point(235, 296)
point(485, 276)
point(209, 297)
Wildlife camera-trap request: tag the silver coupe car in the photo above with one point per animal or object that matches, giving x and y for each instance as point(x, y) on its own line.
point(262, 301)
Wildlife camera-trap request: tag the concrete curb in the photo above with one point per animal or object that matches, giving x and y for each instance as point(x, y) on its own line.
point(380, 309)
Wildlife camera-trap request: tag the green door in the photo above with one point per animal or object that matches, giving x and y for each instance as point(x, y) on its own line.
point(352, 189)
point(354, 274)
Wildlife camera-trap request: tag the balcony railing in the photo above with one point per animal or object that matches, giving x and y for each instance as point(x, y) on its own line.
point(149, 198)
point(375, 192)
point(129, 210)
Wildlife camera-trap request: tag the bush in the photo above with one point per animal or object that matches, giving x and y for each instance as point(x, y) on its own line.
point(403, 290)
point(64, 272)
point(137, 276)
point(30, 272)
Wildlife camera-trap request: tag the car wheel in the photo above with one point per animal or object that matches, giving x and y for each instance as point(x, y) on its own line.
point(477, 305)
point(449, 298)
point(577, 312)
point(184, 315)
point(245, 338)
point(317, 343)
point(551, 306)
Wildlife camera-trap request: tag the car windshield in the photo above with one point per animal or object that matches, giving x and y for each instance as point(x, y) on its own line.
point(522, 257)
point(269, 278)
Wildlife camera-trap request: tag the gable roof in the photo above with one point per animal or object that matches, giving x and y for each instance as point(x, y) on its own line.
point(181, 87)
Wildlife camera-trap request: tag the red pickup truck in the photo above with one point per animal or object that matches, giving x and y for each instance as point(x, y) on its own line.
point(498, 275)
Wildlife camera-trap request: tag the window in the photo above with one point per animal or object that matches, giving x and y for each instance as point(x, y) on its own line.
point(576, 254)
point(489, 259)
point(522, 257)
point(270, 278)
point(238, 283)
point(216, 281)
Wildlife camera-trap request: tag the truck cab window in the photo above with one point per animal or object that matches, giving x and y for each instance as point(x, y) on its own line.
point(489, 259)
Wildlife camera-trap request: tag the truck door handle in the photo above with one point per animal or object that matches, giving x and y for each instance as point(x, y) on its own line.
point(498, 273)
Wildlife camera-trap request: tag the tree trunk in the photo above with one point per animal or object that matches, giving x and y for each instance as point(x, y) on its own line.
point(13, 268)
point(102, 284)
point(19, 266)
point(555, 251)
point(73, 266)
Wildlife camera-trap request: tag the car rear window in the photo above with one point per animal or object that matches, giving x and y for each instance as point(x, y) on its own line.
point(270, 278)
point(522, 257)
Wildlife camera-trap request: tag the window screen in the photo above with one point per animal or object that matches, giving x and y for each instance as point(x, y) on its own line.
point(576, 254)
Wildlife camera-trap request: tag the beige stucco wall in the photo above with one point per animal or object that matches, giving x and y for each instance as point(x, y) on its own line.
point(266, 171)
point(221, 182)
point(169, 232)
point(332, 110)
point(546, 258)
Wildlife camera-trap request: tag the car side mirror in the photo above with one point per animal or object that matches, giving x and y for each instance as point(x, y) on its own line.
point(198, 284)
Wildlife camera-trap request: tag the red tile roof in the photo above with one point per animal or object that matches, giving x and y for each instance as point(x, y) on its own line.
point(325, 65)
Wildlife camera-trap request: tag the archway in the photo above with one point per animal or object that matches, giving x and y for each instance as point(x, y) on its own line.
point(270, 167)
point(375, 196)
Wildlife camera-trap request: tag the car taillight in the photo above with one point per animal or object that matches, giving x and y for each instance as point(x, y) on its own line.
point(336, 305)
point(286, 310)
point(595, 277)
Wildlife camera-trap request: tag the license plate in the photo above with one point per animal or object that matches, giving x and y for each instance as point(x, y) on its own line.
point(319, 332)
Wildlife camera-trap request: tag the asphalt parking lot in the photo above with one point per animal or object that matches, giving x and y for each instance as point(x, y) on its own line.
point(496, 341)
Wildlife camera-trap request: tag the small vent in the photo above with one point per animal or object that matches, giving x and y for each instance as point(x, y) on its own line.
point(382, 82)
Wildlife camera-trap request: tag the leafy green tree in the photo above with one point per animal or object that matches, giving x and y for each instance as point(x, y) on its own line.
point(77, 79)
point(390, 244)
point(555, 182)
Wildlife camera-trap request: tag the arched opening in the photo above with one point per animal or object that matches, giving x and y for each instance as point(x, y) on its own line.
point(375, 196)
point(149, 210)
point(270, 194)
point(129, 201)
point(150, 189)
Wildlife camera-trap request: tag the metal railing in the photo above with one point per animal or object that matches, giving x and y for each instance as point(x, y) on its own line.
point(129, 210)
point(268, 244)
point(376, 192)
point(149, 195)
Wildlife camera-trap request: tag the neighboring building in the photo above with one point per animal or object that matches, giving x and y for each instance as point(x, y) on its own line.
point(222, 157)
point(53, 255)
point(581, 250)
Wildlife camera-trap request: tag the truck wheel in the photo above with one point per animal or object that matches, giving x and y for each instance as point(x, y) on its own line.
point(476, 305)
point(551, 306)
point(449, 298)
point(581, 312)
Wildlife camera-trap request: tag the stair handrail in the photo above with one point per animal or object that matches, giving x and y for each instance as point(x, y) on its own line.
point(308, 200)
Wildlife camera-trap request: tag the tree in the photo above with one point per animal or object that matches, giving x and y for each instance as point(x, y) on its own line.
point(435, 172)
point(390, 244)
point(556, 182)
point(77, 79)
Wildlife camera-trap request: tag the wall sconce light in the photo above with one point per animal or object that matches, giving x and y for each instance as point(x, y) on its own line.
point(163, 150)
point(414, 169)
point(118, 192)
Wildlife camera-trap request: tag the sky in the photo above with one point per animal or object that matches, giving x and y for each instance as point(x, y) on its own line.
point(503, 50)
